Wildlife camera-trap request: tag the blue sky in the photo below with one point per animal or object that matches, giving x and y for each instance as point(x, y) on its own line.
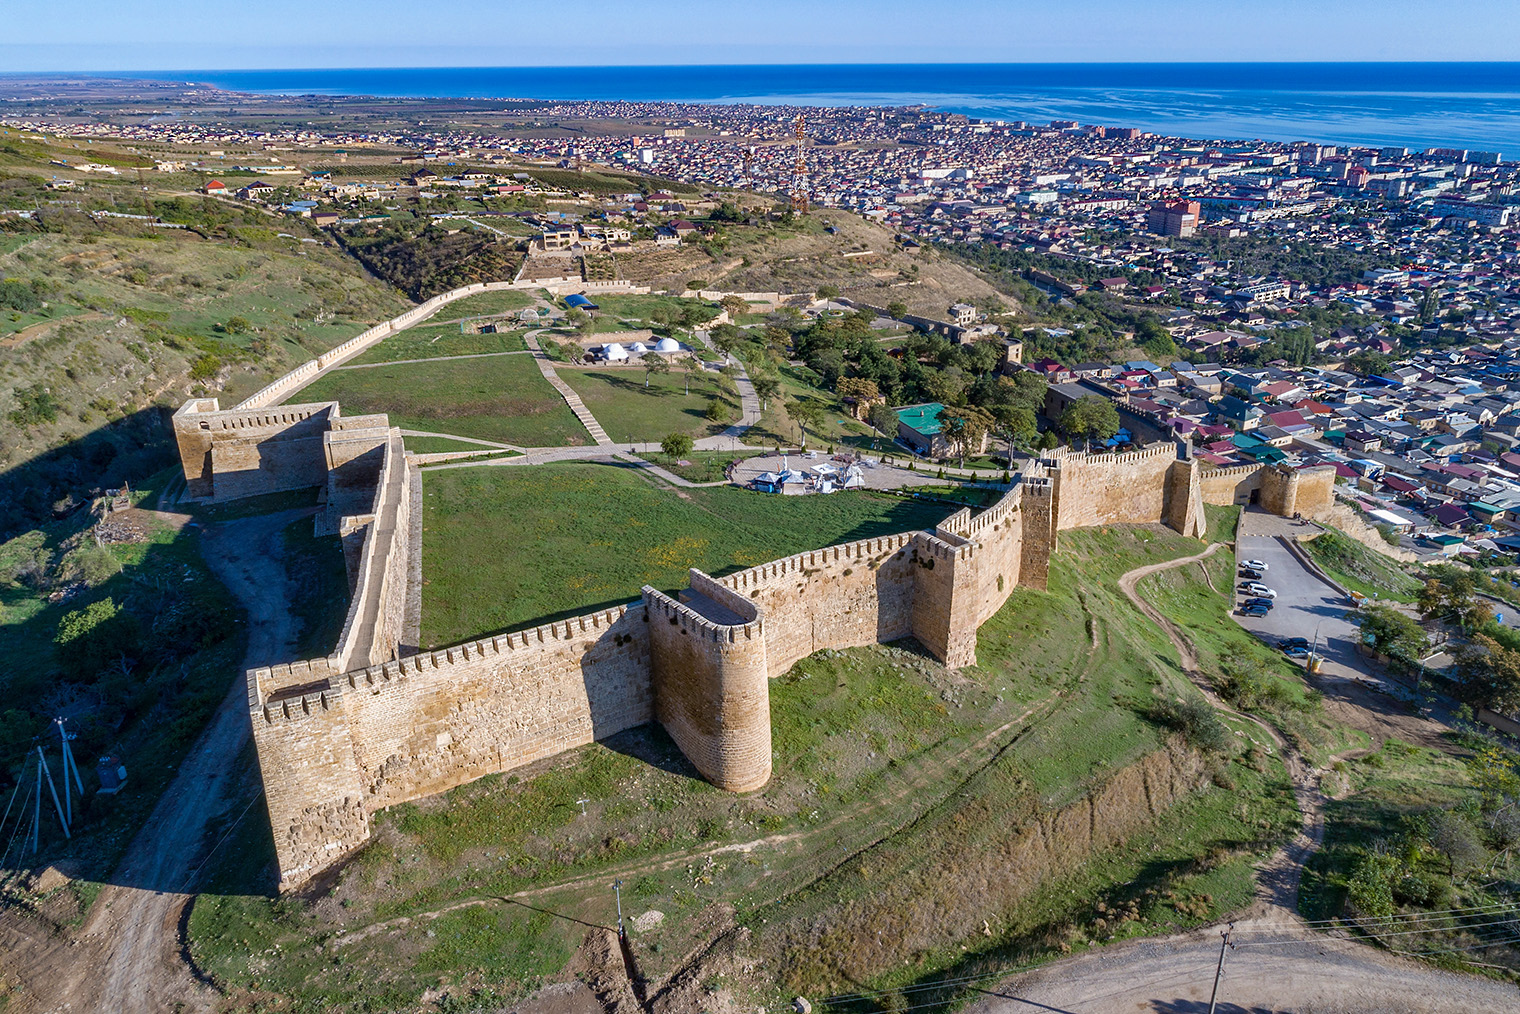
point(40, 35)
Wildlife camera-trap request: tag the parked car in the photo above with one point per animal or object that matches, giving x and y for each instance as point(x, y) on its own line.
point(1254, 565)
point(1258, 589)
point(1254, 609)
point(1297, 651)
point(1266, 603)
point(1247, 572)
point(1293, 642)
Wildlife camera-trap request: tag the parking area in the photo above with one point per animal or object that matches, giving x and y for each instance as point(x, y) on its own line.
point(1306, 606)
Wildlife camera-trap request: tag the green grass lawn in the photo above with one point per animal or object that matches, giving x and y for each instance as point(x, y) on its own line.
point(1361, 569)
point(705, 466)
point(776, 426)
point(633, 413)
point(436, 341)
point(484, 304)
point(889, 798)
point(599, 533)
point(503, 398)
point(439, 445)
point(613, 307)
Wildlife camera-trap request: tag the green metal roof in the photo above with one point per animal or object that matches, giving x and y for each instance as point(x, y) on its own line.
point(922, 418)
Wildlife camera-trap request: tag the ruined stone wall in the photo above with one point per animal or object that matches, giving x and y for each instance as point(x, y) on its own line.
point(711, 688)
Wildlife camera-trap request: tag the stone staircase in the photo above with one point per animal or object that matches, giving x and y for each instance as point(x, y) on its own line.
point(546, 367)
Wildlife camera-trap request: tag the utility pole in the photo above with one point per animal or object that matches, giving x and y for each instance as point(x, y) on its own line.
point(1224, 945)
point(617, 889)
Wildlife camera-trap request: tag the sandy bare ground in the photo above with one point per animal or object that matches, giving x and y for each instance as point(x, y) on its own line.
point(128, 955)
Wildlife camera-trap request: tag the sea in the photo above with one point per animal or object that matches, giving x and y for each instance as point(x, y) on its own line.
point(1414, 105)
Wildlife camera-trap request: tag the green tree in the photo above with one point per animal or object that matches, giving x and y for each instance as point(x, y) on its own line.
point(1090, 418)
point(827, 292)
point(655, 363)
point(807, 413)
point(965, 428)
point(689, 363)
point(897, 309)
point(883, 419)
point(676, 445)
point(88, 639)
point(1491, 674)
point(1016, 425)
point(766, 388)
point(237, 325)
point(1390, 632)
point(1368, 363)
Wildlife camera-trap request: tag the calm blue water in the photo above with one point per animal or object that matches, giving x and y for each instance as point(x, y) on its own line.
point(1475, 105)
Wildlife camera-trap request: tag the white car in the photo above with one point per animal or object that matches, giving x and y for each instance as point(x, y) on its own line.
point(1258, 589)
point(1254, 565)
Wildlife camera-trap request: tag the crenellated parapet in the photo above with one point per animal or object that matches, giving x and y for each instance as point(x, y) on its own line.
point(367, 727)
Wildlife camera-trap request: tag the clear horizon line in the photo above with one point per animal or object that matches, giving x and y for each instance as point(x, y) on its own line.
point(835, 63)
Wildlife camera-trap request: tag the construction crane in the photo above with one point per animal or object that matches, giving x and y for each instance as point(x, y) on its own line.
point(799, 171)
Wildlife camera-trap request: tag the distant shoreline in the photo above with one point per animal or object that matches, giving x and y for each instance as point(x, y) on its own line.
point(1418, 105)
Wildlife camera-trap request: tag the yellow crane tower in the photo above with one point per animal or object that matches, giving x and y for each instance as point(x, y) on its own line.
point(799, 171)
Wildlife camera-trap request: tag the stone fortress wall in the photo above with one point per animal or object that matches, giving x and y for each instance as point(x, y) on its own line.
point(365, 727)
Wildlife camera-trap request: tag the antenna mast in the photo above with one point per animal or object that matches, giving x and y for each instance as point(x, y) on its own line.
point(799, 171)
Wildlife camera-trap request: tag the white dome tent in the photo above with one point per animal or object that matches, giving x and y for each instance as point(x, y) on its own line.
point(638, 347)
point(614, 353)
point(667, 345)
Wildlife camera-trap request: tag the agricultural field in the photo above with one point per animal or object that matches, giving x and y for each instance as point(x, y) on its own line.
point(502, 398)
point(631, 413)
point(599, 533)
point(898, 785)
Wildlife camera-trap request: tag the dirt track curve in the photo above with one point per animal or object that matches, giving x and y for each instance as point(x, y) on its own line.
point(1279, 963)
point(128, 957)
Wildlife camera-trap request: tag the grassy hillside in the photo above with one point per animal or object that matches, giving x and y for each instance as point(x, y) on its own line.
point(899, 794)
point(106, 323)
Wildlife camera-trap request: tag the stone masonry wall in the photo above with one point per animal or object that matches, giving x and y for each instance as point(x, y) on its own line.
point(235, 453)
point(843, 596)
point(1232, 485)
point(711, 689)
point(1103, 489)
point(338, 738)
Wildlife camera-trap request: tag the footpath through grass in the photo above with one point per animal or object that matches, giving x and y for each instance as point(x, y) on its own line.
point(506, 547)
point(503, 398)
point(438, 341)
point(902, 799)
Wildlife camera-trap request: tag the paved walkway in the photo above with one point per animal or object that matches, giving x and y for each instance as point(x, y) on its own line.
point(749, 402)
point(571, 398)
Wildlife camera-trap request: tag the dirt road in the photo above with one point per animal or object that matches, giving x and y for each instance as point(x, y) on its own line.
point(127, 957)
point(1279, 963)
point(1274, 968)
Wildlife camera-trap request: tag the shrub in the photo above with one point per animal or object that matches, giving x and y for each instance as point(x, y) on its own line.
point(35, 405)
point(1195, 720)
point(89, 639)
point(1369, 890)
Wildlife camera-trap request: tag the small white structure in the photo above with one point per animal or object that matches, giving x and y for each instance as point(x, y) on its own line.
point(667, 345)
point(639, 348)
point(614, 353)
